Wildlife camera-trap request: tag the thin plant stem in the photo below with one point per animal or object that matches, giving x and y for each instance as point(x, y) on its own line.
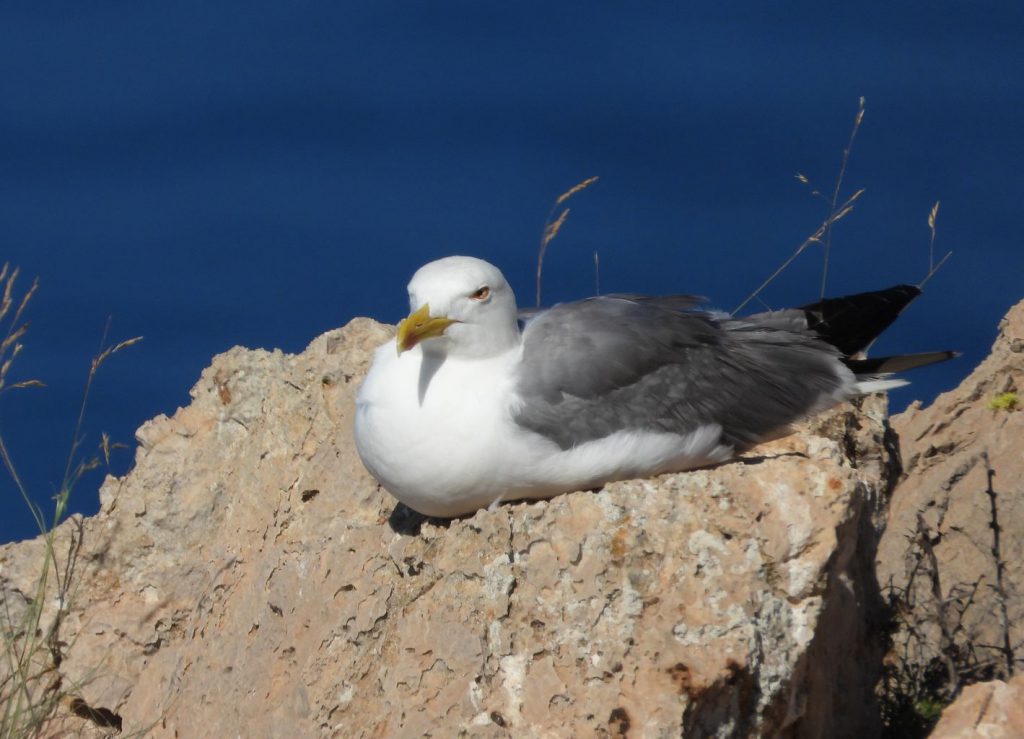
point(933, 216)
point(814, 238)
point(835, 193)
point(552, 225)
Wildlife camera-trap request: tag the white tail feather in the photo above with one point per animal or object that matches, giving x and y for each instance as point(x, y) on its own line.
point(878, 385)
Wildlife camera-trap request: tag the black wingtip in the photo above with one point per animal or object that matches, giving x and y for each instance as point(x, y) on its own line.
point(852, 322)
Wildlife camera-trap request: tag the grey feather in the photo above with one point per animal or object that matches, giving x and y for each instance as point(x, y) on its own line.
point(612, 363)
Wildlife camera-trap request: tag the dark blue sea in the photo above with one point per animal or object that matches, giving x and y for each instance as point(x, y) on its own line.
point(212, 174)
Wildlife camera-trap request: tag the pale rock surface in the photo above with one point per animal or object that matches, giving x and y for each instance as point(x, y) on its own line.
point(993, 710)
point(946, 481)
point(245, 579)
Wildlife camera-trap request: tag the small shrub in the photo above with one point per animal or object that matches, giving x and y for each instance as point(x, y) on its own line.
point(1004, 402)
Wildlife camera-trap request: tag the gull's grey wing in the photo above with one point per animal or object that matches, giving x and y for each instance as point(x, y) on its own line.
point(601, 365)
point(670, 302)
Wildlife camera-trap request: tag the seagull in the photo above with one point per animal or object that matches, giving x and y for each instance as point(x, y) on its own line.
point(474, 403)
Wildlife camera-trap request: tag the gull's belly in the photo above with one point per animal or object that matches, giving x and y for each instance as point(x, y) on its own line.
point(423, 464)
point(442, 451)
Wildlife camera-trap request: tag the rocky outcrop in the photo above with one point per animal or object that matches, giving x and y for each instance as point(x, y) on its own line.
point(994, 710)
point(950, 557)
point(249, 576)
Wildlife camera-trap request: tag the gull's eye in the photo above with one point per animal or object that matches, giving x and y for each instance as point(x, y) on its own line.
point(482, 294)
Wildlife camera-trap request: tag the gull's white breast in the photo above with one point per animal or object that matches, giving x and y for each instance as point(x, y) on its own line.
point(442, 444)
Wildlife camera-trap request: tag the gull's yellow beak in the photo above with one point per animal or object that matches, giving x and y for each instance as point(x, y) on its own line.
point(419, 326)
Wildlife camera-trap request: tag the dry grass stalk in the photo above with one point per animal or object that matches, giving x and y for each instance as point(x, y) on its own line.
point(933, 216)
point(552, 225)
point(575, 189)
point(552, 230)
point(836, 212)
point(858, 119)
point(815, 238)
point(111, 351)
point(73, 471)
point(10, 346)
point(32, 688)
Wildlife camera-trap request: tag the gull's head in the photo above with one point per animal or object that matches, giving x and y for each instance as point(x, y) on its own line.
point(462, 306)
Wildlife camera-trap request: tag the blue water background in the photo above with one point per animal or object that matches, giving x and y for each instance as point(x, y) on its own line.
point(212, 174)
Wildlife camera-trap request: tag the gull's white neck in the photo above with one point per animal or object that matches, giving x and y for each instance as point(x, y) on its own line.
point(476, 341)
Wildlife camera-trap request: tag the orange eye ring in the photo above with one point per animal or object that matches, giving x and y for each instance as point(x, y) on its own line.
point(482, 294)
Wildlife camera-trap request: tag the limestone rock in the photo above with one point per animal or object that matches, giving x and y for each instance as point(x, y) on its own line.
point(248, 576)
point(963, 473)
point(993, 709)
